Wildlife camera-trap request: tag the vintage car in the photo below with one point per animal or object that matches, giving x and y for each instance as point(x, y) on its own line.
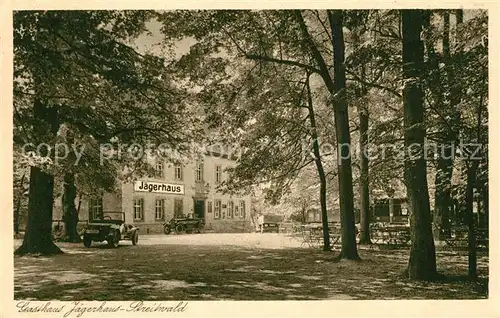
point(180, 225)
point(270, 223)
point(110, 227)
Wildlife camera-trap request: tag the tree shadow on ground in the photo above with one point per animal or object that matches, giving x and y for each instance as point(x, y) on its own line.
point(180, 272)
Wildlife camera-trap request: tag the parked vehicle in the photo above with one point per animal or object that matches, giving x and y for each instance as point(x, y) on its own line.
point(270, 227)
point(181, 225)
point(270, 223)
point(111, 227)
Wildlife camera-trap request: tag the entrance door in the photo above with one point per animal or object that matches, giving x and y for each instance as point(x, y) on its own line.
point(199, 209)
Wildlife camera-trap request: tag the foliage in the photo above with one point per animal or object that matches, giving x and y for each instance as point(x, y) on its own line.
point(82, 65)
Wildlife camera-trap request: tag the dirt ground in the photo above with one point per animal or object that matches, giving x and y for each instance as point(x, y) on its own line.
point(249, 266)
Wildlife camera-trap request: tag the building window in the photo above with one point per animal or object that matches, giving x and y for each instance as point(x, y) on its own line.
point(230, 209)
point(242, 209)
point(236, 211)
point(159, 169)
point(178, 173)
point(199, 172)
point(178, 208)
point(95, 208)
point(138, 209)
point(218, 174)
point(217, 209)
point(209, 207)
point(159, 209)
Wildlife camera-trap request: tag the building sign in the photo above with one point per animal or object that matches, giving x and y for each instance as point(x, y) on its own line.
point(157, 187)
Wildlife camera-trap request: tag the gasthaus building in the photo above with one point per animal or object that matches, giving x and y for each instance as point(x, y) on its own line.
point(174, 191)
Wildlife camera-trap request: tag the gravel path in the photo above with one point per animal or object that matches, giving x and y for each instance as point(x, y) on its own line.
point(247, 240)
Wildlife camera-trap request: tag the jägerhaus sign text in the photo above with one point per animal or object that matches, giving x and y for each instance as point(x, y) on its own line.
point(158, 187)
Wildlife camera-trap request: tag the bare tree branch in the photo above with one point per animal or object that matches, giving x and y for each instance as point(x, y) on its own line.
point(374, 85)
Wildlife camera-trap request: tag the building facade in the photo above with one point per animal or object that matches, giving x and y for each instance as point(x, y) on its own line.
point(174, 191)
point(391, 210)
point(313, 215)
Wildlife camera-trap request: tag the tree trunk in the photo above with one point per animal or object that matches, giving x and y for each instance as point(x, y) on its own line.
point(304, 213)
point(364, 182)
point(471, 232)
point(422, 263)
point(70, 214)
point(18, 205)
point(337, 90)
point(469, 198)
point(319, 168)
point(443, 200)
point(486, 206)
point(79, 204)
point(38, 236)
point(346, 195)
point(364, 194)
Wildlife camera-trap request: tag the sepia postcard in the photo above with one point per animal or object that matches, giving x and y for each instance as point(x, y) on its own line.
point(249, 159)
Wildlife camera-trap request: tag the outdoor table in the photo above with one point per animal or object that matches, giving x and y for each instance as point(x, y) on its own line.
point(312, 235)
point(335, 235)
point(393, 235)
point(459, 237)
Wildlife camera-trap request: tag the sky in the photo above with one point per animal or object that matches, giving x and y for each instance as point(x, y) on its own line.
point(152, 42)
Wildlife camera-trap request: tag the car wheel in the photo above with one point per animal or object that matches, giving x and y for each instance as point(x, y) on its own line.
point(135, 238)
point(114, 240)
point(166, 229)
point(87, 241)
point(180, 228)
